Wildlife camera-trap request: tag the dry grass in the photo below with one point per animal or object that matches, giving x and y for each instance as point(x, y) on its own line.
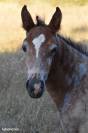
point(17, 109)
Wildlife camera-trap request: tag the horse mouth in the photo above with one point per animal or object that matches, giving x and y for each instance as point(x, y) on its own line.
point(35, 87)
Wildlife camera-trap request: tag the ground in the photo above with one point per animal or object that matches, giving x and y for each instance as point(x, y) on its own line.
point(17, 109)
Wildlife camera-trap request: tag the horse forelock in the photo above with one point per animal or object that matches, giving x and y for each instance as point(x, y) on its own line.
point(40, 21)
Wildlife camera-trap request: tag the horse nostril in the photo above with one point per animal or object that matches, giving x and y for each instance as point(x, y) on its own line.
point(35, 87)
point(27, 83)
point(42, 84)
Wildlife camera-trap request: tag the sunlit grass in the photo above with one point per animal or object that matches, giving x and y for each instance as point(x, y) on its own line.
point(74, 23)
point(52, 2)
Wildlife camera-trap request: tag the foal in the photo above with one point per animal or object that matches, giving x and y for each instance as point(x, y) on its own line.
point(58, 63)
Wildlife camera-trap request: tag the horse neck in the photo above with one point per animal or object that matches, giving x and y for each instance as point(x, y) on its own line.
point(68, 69)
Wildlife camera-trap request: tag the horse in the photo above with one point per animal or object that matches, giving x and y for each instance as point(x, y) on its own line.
point(58, 64)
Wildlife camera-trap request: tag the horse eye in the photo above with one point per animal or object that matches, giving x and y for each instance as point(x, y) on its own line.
point(24, 48)
point(53, 50)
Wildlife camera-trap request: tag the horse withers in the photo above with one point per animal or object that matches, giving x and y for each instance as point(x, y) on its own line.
point(59, 64)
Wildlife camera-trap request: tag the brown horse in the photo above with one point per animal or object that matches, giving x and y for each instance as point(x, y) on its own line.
point(59, 64)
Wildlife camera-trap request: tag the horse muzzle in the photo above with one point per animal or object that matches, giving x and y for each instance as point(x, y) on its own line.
point(35, 87)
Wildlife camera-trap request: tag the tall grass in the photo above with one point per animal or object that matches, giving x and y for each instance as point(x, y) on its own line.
point(73, 2)
point(52, 2)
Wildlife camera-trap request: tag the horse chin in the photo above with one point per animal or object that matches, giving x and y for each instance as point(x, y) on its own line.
point(32, 95)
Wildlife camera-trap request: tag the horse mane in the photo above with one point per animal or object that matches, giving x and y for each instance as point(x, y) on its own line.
point(82, 48)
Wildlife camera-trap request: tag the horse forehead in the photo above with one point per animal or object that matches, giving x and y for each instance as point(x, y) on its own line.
point(35, 32)
point(38, 41)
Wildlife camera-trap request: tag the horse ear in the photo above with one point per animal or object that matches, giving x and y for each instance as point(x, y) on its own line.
point(26, 19)
point(56, 20)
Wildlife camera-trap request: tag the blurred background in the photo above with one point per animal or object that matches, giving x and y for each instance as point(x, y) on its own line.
point(74, 22)
point(17, 109)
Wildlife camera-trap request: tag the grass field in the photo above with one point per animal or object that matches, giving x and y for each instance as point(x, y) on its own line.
point(17, 109)
point(52, 2)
